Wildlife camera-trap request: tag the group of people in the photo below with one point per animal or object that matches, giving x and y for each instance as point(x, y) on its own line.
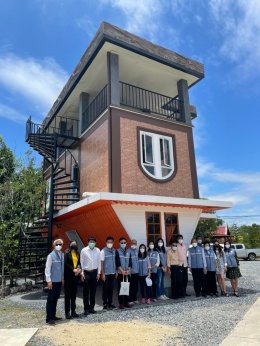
point(142, 267)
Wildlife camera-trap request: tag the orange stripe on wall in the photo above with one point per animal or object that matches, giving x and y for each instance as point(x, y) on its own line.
point(100, 222)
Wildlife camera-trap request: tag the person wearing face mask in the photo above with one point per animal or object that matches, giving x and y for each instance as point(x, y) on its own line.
point(182, 253)
point(233, 272)
point(155, 261)
point(134, 272)
point(108, 272)
point(71, 276)
point(198, 267)
point(144, 270)
point(123, 264)
point(221, 268)
point(210, 277)
point(90, 260)
point(54, 273)
point(199, 241)
point(174, 269)
point(161, 270)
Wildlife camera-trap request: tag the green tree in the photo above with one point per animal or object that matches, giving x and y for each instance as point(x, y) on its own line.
point(206, 227)
point(21, 190)
point(247, 234)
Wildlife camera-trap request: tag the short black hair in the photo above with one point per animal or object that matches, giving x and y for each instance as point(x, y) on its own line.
point(122, 238)
point(179, 236)
point(92, 238)
point(206, 242)
point(109, 238)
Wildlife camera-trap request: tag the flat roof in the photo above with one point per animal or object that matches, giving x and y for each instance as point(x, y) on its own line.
point(96, 199)
point(124, 39)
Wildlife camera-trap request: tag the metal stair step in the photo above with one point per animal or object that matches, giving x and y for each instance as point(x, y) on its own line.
point(61, 177)
point(66, 194)
point(65, 182)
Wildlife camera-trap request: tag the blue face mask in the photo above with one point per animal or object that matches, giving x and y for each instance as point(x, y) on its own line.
point(91, 245)
point(123, 245)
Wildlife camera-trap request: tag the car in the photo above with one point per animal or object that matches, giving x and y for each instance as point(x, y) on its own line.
point(244, 253)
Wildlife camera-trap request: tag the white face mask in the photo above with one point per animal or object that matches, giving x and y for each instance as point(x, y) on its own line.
point(58, 247)
point(151, 246)
point(160, 244)
point(180, 241)
point(217, 251)
point(194, 244)
point(142, 250)
point(133, 247)
point(109, 245)
point(227, 246)
point(174, 248)
point(200, 241)
point(207, 247)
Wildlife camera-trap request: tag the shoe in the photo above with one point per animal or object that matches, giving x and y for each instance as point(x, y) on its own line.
point(143, 301)
point(74, 315)
point(211, 294)
point(216, 294)
point(51, 322)
point(198, 295)
point(57, 318)
point(187, 295)
point(85, 313)
point(236, 294)
point(136, 302)
point(111, 306)
point(105, 307)
point(91, 311)
point(128, 306)
point(154, 300)
point(161, 298)
point(165, 297)
point(226, 294)
point(121, 306)
point(204, 295)
point(148, 301)
point(68, 316)
point(223, 293)
point(131, 303)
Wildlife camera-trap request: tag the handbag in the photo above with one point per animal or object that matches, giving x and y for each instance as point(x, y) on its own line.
point(148, 281)
point(125, 287)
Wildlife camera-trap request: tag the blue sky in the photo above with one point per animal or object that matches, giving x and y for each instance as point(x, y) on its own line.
point(41, 41)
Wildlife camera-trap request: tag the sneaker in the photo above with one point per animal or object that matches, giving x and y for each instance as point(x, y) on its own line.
point(92, 311)
point(131, 303)
point(136, 302)
point(105, 307)
point(51, 322)
point(74, 315)
point(148, 301)
point(68, 316)
point(143, 301)
point(154, 300)
point(165, 297)
point(57, 318)
point(161, 297)
point(85, 313)
point(111, 306)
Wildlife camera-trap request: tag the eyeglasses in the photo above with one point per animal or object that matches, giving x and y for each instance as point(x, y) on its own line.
point(123, 243)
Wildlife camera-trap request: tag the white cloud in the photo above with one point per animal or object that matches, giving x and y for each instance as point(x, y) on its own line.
point(11, 114)
point(142, 16)
point(39, 81)
point(238, 23)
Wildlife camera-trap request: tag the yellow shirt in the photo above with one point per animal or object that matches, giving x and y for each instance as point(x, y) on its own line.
point(74, 258)
point(172, 258)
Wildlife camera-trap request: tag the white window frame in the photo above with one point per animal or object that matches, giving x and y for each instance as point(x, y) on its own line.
point(156, 153)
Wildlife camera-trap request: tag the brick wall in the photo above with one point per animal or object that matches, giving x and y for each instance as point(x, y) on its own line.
point(94, 160)
point(133, 179)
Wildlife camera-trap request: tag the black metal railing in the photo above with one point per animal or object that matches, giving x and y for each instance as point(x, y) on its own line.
point(150, 102)
point(62, 126)
point(95, 108)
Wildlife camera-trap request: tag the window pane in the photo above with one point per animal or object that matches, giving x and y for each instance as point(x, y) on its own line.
point(156, 218)
point(167, 160)
point(150, 169)
point(157, 229)
point(151, 229)
point(165, 171)
point(148, 149)
point(149, 218)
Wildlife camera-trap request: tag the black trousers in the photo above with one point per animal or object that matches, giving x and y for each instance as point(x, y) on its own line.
point(211, 283)
point(108, 289)
point(89, 289)
point(177, 282)
point(145, 290)
point(70, 290)
point(198, 281)
point(154, 277)
point(51, 305)
point(184, 278)
point(133, 287)
point(122, 300)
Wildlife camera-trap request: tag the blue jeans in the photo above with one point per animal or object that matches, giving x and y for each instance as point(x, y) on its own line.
point(160, 282)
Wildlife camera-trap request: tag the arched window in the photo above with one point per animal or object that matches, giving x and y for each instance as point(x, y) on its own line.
point(156, 154)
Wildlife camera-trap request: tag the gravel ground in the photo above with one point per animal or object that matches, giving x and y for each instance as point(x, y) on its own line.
point(200, 321)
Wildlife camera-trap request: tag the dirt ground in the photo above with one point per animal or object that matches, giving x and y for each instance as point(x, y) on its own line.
point(135, 332)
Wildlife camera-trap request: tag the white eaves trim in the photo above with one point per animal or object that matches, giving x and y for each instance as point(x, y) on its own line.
point(92, 197)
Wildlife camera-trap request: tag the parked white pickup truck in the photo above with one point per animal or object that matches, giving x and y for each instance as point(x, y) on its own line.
point(246, 254)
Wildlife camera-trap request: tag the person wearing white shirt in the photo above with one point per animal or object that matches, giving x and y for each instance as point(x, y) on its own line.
point(90, 260)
